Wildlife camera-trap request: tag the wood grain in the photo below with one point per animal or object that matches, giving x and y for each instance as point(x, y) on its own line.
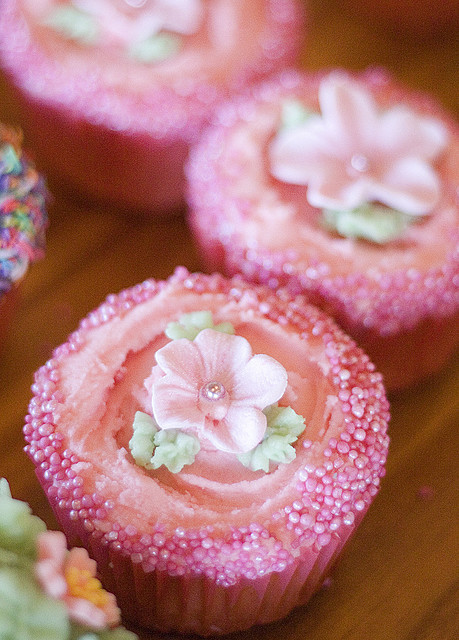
point(398, 578)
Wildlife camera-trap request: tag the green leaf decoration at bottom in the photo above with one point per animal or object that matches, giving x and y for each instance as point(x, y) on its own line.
point(119, 633)
point(142, 442)
point(73, 24)
point(18, 527)
point(174, 449)
point(156, 48)
point(375, 223)
point(152, 447)
point(283, 428)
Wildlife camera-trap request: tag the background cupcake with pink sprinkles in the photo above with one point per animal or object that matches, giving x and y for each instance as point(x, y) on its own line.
point(343, 187)
point(113, 92)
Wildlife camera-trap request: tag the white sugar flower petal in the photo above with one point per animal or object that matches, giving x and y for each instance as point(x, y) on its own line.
point(332, 189)
point(299, 153)
point(410, 185)
point(349, 112)
point(224, 352)
point(262, 382)
point(175, 407)
point(403, 131)
point(246, 428)
point(355, 154)
point(173, 361)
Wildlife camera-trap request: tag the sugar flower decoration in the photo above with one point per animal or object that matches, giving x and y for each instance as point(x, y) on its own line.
point(133, 21)
point(69, 576)
point(215, 388)
point(354, 153)
point(152, 447)
point(46, 591)
point(190, 324)
point(284, 427)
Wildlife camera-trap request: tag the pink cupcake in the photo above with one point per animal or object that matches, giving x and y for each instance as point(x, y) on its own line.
point(212, 444)
point(343, 187)
point(23, 219)
point(113, 92)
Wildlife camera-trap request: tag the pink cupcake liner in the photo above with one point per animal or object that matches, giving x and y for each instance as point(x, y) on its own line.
point(201, 570)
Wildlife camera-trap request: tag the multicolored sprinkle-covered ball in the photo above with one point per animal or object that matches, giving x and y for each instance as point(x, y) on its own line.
point(23, 216)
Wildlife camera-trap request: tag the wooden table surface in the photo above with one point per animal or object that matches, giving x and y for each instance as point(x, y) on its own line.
point(398, 577)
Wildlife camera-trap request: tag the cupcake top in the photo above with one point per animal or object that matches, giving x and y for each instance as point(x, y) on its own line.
point(208, 426)
point(46, 590)
point(23, 217)
point(333, 175)
point(185, 52)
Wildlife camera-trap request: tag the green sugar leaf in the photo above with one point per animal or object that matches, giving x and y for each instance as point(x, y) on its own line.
point(372, 222)
point(73, 24)
point(156, 48)
point(174, 449)
point(190, 324)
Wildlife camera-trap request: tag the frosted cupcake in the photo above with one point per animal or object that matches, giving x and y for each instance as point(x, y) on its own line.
point(213, 445)
point(112, 92)
point(47, 591)
point(343, 187)
point(23, 218)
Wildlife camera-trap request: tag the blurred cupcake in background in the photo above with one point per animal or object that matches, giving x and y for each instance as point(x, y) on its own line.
point(343, 187)
point(113, 92)
point(23, 218)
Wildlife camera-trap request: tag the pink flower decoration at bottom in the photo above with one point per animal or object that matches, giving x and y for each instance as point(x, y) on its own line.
point(69, 576)
point(215, 387)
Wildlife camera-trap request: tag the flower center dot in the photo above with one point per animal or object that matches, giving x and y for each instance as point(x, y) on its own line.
point(213, 390)
point(137, 4)
point(360, 163)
